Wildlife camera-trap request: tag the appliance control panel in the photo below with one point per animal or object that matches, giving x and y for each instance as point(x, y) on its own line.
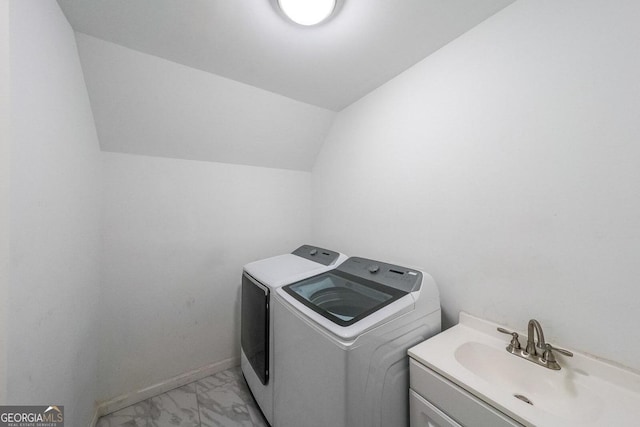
point(316, 254)
point(395, 276)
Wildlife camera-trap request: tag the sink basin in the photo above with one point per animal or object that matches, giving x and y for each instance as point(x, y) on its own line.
point(561, 393)
point(586, 391)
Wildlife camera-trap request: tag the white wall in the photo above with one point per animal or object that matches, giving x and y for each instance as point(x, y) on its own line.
point(53, 296)
point(176, 234)
point(147, 105)
point(4, 188)
point(506, 164)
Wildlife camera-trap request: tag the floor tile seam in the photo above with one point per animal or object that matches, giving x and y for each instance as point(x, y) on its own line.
point(195, 386)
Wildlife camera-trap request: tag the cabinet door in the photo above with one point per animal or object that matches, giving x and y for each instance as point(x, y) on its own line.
point(465, 408)
point(424, 414)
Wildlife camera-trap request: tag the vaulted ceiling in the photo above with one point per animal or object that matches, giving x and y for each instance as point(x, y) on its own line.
point(277, 83)
point(332, 65)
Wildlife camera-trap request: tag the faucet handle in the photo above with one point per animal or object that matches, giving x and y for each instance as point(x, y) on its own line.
point(548, 347)
point(515, 343)
point(504, 331)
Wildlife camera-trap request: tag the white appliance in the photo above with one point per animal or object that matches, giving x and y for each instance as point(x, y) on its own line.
point(259, 280)
point(341, 344)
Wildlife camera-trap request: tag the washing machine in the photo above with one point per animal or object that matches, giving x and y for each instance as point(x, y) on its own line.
point(259, 280)
point(342, 340)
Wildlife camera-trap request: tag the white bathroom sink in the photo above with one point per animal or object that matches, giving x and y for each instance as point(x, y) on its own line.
point(556, 392)
point(585, 392)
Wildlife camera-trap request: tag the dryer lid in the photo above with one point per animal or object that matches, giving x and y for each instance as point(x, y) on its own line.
point(288, 268)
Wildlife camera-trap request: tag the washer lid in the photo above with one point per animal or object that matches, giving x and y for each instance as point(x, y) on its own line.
point(343, 298)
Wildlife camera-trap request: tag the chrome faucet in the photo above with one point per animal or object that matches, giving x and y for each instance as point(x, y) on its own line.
point(541, 352)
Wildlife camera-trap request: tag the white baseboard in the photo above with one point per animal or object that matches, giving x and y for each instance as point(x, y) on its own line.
point(131, 398)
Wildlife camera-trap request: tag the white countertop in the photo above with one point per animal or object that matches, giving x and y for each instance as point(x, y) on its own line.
point(585, 392)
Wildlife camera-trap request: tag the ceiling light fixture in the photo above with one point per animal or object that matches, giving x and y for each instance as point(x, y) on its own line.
point(307, 12)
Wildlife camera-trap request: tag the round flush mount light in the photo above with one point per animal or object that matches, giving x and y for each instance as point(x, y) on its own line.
point(307, 12)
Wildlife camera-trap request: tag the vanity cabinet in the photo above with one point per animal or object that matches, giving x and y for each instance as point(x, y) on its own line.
point(465, 377)
point(434, 401)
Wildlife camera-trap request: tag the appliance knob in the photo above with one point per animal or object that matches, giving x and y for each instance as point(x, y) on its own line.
point(373, 269)
point(313, 251)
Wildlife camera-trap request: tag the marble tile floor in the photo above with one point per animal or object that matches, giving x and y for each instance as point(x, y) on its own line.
point(221, 400)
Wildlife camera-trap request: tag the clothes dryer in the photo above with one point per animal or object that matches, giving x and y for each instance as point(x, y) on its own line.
point(259, 280)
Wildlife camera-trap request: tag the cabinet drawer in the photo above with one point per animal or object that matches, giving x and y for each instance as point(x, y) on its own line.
point(424, 414)
point(459, 404)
